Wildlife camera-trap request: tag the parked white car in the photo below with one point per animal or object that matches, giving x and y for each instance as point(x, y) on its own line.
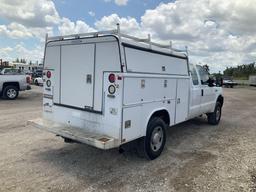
point(12, 82)
point(38, 81)
point(106, 89)
point(229, 82)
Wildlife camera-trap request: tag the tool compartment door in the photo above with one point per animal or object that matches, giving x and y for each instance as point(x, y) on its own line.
point(77, 75)
point(182, 100)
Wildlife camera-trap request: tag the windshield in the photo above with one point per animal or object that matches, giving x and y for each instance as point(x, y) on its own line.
point(204, 76)
point(11, 71)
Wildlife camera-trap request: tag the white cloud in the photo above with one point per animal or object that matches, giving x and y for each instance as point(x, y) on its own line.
point(15, 30)
point(18, 31)
point(217, 32)
point(20, 51)
point(32, 54)
point(4, 52)
point(31, 13)
point(6, 49)
point(128, 25)
point(91, 13)
point(118, 2)
point(121, 2)
point(68, 27)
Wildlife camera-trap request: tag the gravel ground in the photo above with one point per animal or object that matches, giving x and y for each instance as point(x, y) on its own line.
point(197, 157)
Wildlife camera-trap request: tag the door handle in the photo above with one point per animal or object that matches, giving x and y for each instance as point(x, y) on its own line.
point(202, 92)
point(88, 78)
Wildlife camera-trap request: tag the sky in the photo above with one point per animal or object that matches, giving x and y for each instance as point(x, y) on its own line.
point(218, 33)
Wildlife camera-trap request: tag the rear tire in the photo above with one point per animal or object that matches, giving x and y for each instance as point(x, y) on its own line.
point(152, 145)
point(214, 118)
point(10, 92)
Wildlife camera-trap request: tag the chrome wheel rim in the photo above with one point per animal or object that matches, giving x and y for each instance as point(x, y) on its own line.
point(156, 138)
point(11, 93)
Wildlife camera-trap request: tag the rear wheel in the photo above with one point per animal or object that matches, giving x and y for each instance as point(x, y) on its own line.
point(214, 118)
point(153, 144)
point(10, 92)
point(36, 83)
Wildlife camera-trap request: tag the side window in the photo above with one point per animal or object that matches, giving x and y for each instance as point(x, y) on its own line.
point(204, 76)
point(194, 75)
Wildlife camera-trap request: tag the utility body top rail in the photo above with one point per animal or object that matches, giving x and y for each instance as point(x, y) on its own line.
point(120, 36)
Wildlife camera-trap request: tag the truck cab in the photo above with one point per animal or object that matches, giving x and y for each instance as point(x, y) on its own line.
point(107, 89)
point(204, 93)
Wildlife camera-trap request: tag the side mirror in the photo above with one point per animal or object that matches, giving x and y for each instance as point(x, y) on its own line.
point(210, 82)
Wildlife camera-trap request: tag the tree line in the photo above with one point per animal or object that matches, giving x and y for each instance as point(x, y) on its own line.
point(22, 61)
point(241, 71)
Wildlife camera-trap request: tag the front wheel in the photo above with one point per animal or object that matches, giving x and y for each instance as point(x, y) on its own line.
point(11, 92)
point(214, 117)
point(153, 144)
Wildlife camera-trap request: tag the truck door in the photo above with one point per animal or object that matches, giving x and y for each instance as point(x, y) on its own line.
point(77, 75)
point(195, 93)
point(207, 93)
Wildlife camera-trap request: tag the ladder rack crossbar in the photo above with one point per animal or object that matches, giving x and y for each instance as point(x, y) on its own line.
point(118, 34)
point(81, 35)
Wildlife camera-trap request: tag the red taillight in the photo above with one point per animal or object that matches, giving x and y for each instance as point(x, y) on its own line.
point(112, 78)
point(48, 74)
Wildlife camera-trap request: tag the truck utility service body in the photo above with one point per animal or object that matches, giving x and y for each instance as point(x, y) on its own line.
point(105, 89)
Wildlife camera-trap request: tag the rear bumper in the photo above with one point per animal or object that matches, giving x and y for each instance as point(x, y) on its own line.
point(76, 134)
point(228, 84)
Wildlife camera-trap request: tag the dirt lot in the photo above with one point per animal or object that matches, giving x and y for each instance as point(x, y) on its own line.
point(197, 157)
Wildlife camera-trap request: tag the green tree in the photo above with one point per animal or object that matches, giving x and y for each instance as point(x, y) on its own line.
point(241, 71)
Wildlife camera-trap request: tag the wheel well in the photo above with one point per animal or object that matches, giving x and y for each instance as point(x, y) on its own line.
point(163, 114)
point(16, 84)
point(221, 100)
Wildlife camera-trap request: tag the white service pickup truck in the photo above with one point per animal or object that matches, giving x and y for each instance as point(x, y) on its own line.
point(11, 82)
point(106, 89)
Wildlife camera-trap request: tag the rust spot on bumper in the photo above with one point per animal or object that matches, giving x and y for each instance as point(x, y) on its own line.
point(104, 140)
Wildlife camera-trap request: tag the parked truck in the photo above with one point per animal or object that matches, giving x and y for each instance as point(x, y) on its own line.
point(106, 89)
point(12, 82)
point(229, 82)
point(252, 80)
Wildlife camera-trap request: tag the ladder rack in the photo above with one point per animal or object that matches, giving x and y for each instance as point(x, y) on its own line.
point(120, 35)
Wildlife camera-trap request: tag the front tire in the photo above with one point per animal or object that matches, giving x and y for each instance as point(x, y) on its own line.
point(152, 145)
point(214, 118)
point(10, 92)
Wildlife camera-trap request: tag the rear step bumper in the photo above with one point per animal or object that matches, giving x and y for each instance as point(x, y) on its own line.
point(76, 134)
